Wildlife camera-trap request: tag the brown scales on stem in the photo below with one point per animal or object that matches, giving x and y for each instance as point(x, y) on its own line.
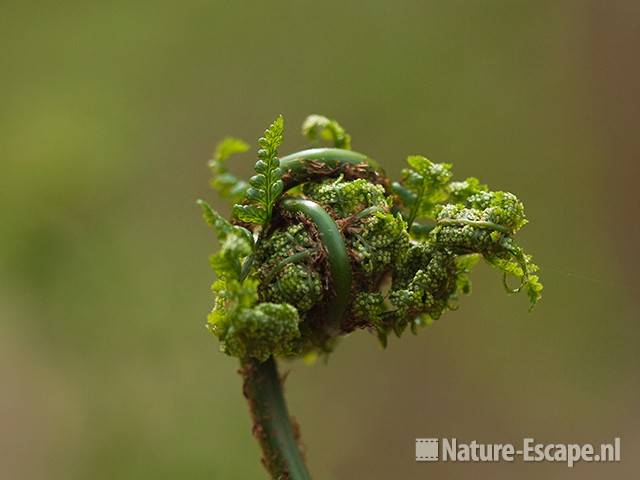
point(277, 433)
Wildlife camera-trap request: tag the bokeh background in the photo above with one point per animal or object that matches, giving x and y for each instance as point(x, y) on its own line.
point(109, 113)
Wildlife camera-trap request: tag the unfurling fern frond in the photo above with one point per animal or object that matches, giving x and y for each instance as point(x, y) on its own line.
point(222, 180)
point(343, 252)
point(236, 243)
point(319, 127)
point(266, 185)
point(423, 186)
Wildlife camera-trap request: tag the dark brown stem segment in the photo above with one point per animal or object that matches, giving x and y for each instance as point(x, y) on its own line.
point(272, 425)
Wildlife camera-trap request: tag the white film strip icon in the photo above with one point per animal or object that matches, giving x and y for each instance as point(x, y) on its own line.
point(426, 449)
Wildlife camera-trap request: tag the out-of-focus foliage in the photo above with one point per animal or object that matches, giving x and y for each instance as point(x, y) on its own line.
point(222, 180)
point(319, 127)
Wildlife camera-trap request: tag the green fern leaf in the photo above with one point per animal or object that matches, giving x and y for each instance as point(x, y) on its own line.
point(266, 185)
point(423, 186)
point(236, 243)
point(220, 225)
point(228, 185)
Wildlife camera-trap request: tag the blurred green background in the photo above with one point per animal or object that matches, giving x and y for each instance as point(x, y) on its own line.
point(109, 113)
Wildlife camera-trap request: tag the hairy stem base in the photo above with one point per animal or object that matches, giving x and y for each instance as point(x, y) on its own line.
point(272, 425)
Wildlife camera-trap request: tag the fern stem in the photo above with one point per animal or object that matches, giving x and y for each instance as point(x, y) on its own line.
point(272, 425)
point(338, 257)
point(321, 163)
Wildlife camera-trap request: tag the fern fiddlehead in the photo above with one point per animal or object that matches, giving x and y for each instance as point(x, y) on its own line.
point(314, 238)
point(337, 256)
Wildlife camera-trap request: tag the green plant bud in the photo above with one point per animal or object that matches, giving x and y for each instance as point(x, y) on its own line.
point(346, 198)
point(335, 247)
point(297, 285)
point(261, 331)
point(368, 307)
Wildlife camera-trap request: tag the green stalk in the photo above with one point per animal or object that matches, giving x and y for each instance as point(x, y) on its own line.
point(271, 422)
point(320, 163)
point(272, 425)
point(338, 257)
point(262, 387)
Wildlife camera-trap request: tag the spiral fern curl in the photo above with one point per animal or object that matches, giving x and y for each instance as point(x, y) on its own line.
point(321, 243)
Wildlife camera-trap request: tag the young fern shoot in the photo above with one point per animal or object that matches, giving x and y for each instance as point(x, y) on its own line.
point(266, 185)
point(315, 236)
